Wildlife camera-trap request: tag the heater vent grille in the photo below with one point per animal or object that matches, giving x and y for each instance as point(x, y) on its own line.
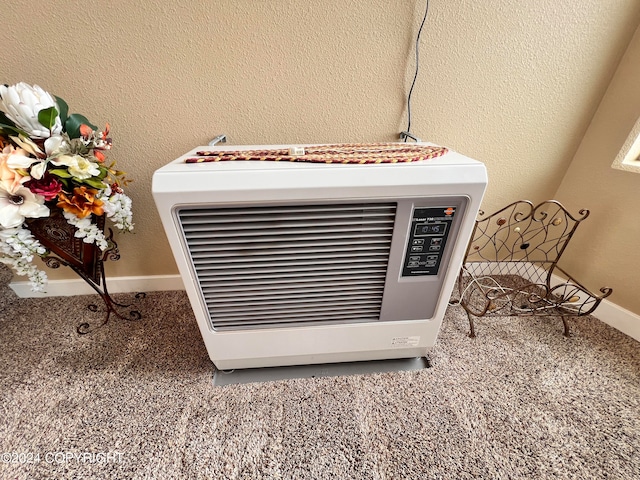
point(277, 266)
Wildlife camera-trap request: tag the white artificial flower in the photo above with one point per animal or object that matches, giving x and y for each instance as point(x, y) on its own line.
point(22, 241)
point(36, 166)
point(27, 144)
point(54, 145)
point(83, 168)
point(79, 167)
point(117, 207)
point(18, 204)
point(22, 102)
point(38, 170)
point(19, 158)
point(18, 247)
point(87, 230)
point(63, 160)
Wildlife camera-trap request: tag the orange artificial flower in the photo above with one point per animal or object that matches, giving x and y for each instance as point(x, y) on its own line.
point(82, 203)
point(99, 156)
point(85, 130)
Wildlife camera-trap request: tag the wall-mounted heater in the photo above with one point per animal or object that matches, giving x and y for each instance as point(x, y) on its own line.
point(297, 262)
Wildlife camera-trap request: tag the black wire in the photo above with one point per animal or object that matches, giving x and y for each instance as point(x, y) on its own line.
point(415, 76)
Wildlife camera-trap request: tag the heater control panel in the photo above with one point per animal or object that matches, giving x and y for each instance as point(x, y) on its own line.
point(430, 228)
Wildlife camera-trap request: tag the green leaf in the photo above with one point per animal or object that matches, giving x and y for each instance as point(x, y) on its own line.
point(94, 182)
point(10, 129)
point(60, 172)
point(8, 126)
point(68, 186)
point(5, 120)
point(72, 124)
point(47, 117)
point(64, 109)
point(103, 172)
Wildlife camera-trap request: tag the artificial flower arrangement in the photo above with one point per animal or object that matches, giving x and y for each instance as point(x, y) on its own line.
point(50, 161)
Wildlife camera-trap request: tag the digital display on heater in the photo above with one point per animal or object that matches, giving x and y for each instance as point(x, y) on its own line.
point(427, 240)
point(426, 229)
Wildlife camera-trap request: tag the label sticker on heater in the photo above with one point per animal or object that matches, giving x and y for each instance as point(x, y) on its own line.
point(430, 227)
point(400, 342)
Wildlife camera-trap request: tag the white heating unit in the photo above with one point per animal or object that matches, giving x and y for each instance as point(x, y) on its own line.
point(303, 263)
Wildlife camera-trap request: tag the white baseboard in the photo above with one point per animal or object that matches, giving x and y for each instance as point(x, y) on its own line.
point(619, 318)
point(614, 315)
point(66, 288)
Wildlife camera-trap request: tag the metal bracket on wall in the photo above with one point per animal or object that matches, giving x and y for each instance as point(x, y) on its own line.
point(219, 139)
point(406, 135)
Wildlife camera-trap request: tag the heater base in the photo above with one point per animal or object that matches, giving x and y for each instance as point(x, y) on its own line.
point(271, 374)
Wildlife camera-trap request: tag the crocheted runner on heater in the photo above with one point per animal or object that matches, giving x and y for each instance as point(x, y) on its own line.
point(341, 153)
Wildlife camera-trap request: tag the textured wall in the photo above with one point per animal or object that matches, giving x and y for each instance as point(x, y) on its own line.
point(513, 84)
point(605, 248)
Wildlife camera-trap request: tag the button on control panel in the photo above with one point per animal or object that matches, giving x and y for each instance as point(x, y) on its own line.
point(430, 227)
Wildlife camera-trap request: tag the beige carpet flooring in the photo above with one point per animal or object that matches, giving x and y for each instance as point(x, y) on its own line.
point(135, 400)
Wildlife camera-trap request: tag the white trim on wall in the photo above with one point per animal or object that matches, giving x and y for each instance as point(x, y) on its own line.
point(617, 317)
point(628, 157)
point(66, 288)
point(614, 315)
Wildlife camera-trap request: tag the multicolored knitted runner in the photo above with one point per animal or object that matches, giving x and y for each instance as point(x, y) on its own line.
point(340, 153)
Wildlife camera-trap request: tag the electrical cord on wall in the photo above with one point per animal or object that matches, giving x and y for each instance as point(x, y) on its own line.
point(407, 133)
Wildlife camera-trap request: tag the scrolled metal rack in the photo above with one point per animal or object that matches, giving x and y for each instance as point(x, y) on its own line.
point(85, 259)
point(511, 265)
